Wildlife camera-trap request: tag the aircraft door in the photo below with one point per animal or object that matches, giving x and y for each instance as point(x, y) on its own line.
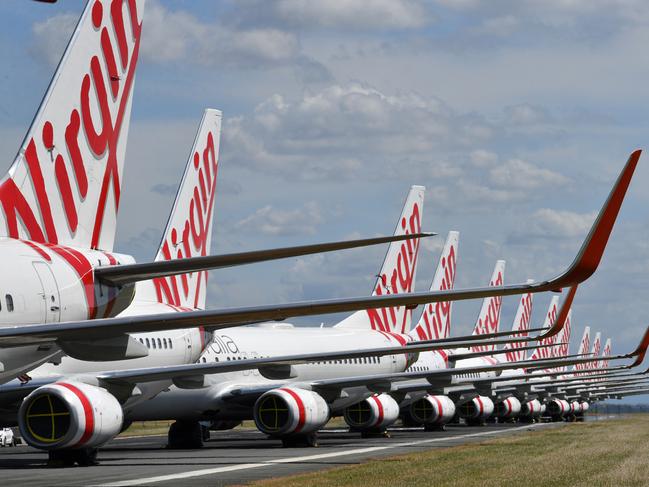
point(50, 293)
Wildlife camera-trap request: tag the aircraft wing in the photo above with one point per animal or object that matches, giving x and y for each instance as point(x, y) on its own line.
point(583, 266)
point(130, 273)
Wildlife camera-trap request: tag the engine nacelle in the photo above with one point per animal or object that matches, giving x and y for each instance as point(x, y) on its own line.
point(290, 411)
point(558, 408)
point(480, 407)
point(531, 409)
point(584, 406)
point(509, 408)
point(574, 407)
point(375, 412)
point(69, 415)
point(430, 410)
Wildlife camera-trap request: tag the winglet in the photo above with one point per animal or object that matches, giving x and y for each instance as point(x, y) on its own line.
point(641, 351)
point(560, 322)
point(593, 247)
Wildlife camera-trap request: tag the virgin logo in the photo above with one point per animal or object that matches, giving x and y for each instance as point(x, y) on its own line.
point(522, 325)
point(89, 132)
point(190, 236)
point(399, 279)
point(546, 351)
point(436, 318)
point(583, 348)
point(489, 322)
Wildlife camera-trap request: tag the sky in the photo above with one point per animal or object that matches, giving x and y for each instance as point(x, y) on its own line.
point(516, 115)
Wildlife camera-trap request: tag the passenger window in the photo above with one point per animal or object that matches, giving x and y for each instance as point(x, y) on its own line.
point(159, 344)
point(10, 302)
point(148, 344)
point(171, 344)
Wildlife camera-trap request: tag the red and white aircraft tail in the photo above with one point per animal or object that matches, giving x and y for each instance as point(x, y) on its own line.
point(584, 346)
point(563, 340)
point(489, 317)
point(597, 348)
point(550, 318)
point(64, 185)
point(603, 364)
point(435, 320)
point(522, 321)
point(397, 274)
point(189, 229)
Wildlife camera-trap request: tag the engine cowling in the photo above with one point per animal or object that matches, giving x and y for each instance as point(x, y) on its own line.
point(509, 408)
point(430, 410)
point(375, 412)
point(531, 408)
point(69, 415)
point(290, 411)
point(480, 407)
point(574, 407)
point(584, 406)
point(558, 408)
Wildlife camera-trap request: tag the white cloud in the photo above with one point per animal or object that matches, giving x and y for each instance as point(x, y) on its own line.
point(273, 221)
point(519, 174)
point(364, 14)
point(551, 224)
point(51, 36)
point(178, 36)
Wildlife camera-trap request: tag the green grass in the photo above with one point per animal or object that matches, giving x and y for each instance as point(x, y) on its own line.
point(607, 453)
point(144, 428)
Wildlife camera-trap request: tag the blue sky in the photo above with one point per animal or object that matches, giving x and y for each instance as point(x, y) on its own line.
point(516, 115)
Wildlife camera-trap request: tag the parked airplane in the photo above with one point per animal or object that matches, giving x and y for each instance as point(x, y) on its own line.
point(59, 203)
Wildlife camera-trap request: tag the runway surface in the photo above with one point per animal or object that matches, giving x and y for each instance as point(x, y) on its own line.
point(231, 457)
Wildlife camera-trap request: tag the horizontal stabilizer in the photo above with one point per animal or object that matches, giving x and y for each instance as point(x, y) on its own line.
point(129, 273)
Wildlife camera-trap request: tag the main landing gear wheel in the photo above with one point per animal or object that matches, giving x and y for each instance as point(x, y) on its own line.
point(300, 441)
point(185, 435)
point(84, 457)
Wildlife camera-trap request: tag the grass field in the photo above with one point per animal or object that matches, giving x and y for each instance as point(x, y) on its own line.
point(605, 453)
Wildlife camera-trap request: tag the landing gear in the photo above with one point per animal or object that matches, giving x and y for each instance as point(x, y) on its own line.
point(375, 434)
point(434, 427)
point(184, 435)
point(84, 457)
point(299, 441)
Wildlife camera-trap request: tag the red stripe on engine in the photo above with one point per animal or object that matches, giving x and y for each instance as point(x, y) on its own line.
point(480, 406)
point(87, 411)
point(379, 406)
point(300, 407)
point(440, 409)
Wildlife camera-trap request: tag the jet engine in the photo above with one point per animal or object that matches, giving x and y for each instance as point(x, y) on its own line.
point(509, 408)
point(69, 415)
point(476, 410)
point(558, 408)
point(583, 406)
point(377, 412)
point(290, 411)
point(531, 409)
point(432, 411)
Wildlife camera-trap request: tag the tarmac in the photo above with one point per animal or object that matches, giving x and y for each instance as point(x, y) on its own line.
point(232, 457)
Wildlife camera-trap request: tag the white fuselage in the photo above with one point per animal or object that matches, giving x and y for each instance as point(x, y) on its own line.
point(272, 340)
point(174, 347)
point(42, 283)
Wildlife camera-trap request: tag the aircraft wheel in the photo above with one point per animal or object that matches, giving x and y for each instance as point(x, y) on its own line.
point(185, 435)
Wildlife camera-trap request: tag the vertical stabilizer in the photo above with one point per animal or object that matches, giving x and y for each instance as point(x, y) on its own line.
point(522, 321)
point(435, 320)
point(584, 346)
point(550, 318)
point(489, 317)
point(189, 229)
point(397, 274)
point(605, 354)
point(597, 348)
point(64, 185)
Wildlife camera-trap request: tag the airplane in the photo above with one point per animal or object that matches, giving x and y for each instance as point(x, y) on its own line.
point(60, 198)
point(70, 385)
point(282, 366)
